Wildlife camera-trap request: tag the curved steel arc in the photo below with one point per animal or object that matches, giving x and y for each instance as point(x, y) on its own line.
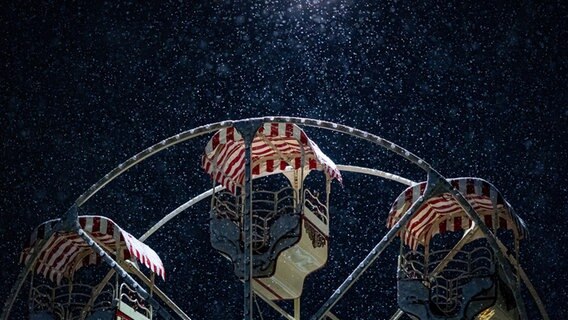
point(208, 193)
point(389, 145)
point(196, 132)
point(147, 153)
point(377, 173)
point(179, 210)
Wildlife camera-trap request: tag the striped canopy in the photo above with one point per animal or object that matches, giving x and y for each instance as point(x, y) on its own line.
point(66, 252)
point(443, 213)
point(275, 147)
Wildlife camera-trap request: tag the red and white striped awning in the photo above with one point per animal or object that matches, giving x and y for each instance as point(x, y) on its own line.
point(66, 252)
point(274, 147)
point(443, 213)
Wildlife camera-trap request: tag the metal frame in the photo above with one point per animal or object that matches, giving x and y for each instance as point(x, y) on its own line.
point(248, 131)
point(125, 276)
point(436, 183)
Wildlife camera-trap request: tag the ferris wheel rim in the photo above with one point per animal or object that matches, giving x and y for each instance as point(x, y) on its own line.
point(212, 127)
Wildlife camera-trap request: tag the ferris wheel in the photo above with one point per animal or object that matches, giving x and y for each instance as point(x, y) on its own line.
point(270, 194)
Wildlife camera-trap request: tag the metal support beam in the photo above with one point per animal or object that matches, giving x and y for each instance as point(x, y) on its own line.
point(526, 281)
point(247, 236)
point(130, 266)
point(247, 131)
point(331, 316)
point(397, 315)
point(433, 187)
point(469, 233)
point(274, 306)
point(150, 283)
point(22, 277)
point(444, 262)
point(95, 294)
point(492, 240)
point(125, 276)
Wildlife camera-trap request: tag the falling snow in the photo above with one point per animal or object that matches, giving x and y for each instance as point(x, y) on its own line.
point(476, 89)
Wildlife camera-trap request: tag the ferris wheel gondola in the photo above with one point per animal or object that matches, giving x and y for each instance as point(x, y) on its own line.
point(57, 250)
point(290, 223)
point(459, 279)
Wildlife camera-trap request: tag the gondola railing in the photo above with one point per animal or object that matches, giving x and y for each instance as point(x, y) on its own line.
point(313, 203)
point(450, 291)
point(67, 301)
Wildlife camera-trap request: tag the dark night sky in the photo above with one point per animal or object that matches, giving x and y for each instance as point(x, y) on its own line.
point(476, 89)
